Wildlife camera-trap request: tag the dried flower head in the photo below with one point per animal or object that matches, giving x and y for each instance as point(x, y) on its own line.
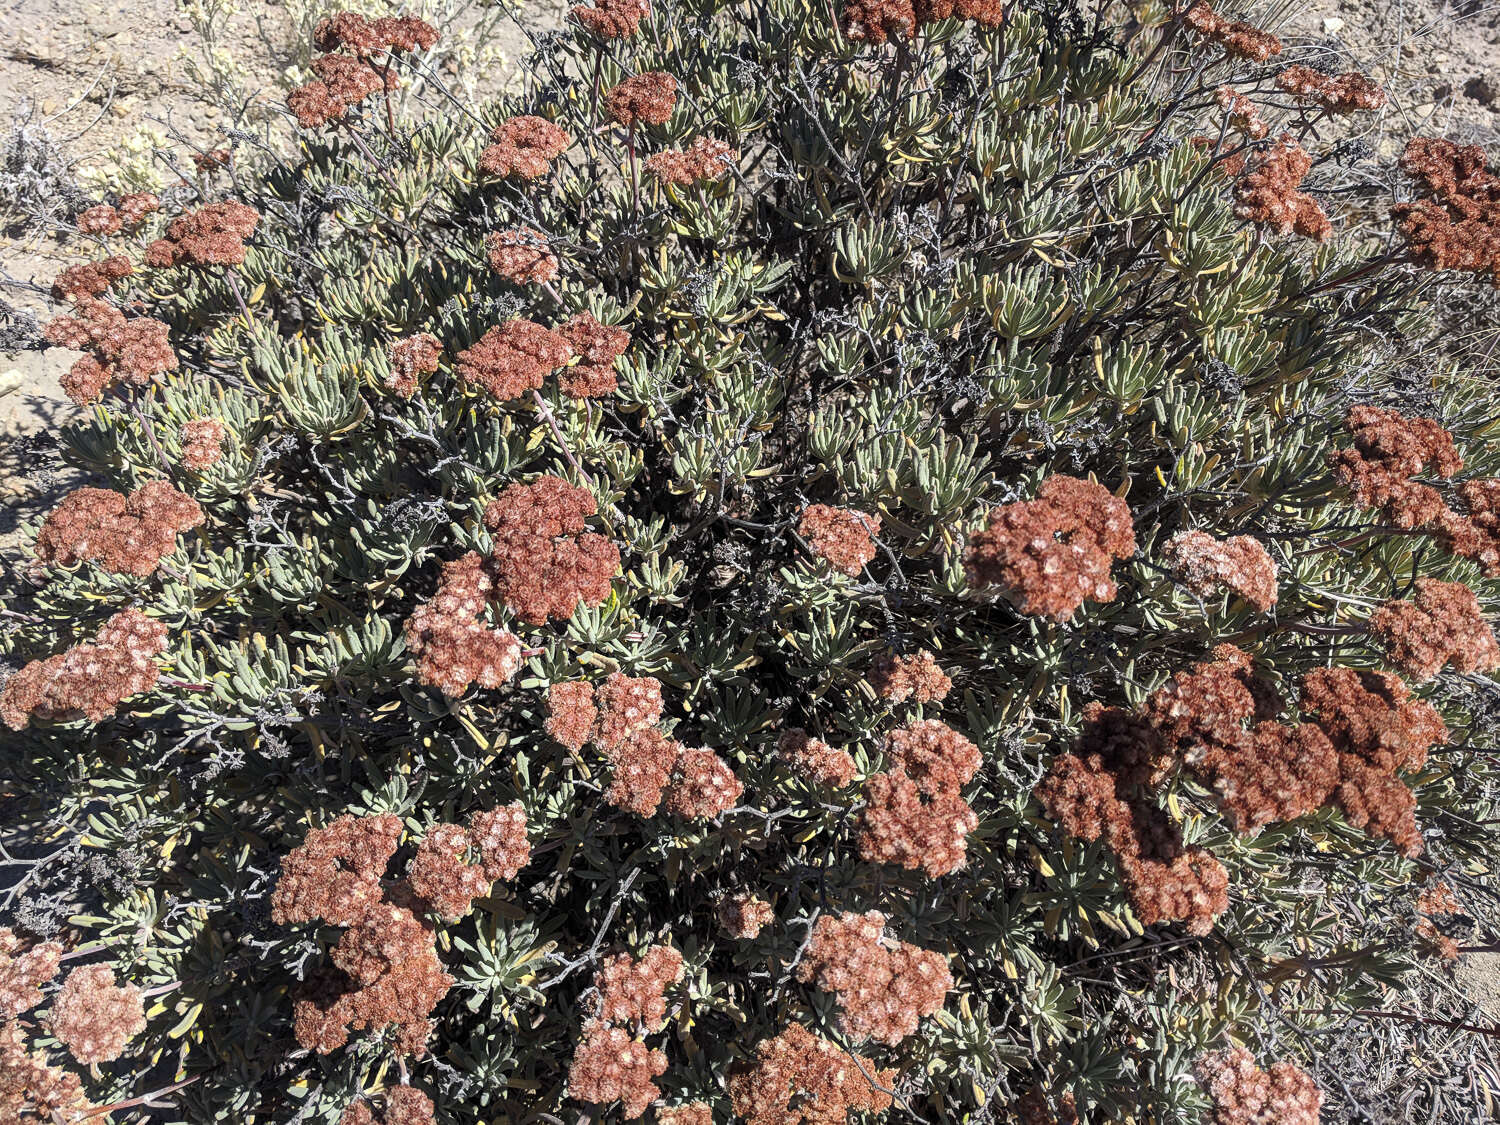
point(521, 255)
point(705, 159)
point(814, 759)
point(986, 13)
point(1238, 564)
point(627, 706)
point(884, 988)
point(643, 766)
point(449, 638)
point(900, 825)
point(633, 990)
point(1051, 554)
point(99, 219)
point(609, 1066)
point(213, 235)
point(934, 755)
point(202, 443)
point(342, 83)
point(130, 350)
point(91, 679)
point(1337, 93)
point(513, 358)
point(1244, 1094)
point(351, 31)
point(1389, 449)
point(571, 713)
point(404, 1105)
point(1243, 114)
point(1269, 773)
point(1441, 625)
point(798, 1078)
point(441, 875)
point(689, 1113)
point(412, 358)
point(22, 973)
point(523, 148)
point(613, 19)
point(702, 786)
point(842, 537)
point(597, 347)
point(499, 837)
point(1459, 227)
point(877, 21)
point(91, 279)
point(744, 915)
point(1242, 40)
point(648, 98)
point(916, 677)
point(1268, 194)
point(136, 206)
point(544, 563)
point(334, 874)
point(31, 1089)
point(93, 1017)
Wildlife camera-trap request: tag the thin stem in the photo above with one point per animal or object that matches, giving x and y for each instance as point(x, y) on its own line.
point(547, 416)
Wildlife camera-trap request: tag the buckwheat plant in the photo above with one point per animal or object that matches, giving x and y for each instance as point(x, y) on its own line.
point(877, 560)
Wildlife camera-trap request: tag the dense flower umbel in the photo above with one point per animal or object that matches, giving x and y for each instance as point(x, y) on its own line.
point(93, 1017)
point(1244, 1094)
point(608, 1065)
point(647, 98)
point(613, 19)
point(131, 351)
point(1441, 625)
point(1051, 554)
point(1337, 93)
point(441, 874)
point(449, 638)
point(627, 706)
point(633, 990)
point(523, 148)
point(412, 358)
point(545, 563)
point(202, 443)
point(335, 873)
point(351, 31)
point(597, 346)
point(521, 255)
point(844, 538)
point(1239, 39)
point(691, 1113)
point(884, 987)
point(513, 358)
point(814, 759)
point(914, 815)
point(1243, 114)
point(404, 1105)
point(1238, 564)
point(1389, 449)
point(32, 1090)
point(1268, 195)
point(88, 679)
point(705, 159)
point(876, 21)
point(744, 915)
point(798, 1078)
point(916, 677)
point(213, 235)
point(136, 206)
point(22, 973)
point(1459, 227)
point(342, 82)
point(91, 279)
point(702, 786)
point(99, 219)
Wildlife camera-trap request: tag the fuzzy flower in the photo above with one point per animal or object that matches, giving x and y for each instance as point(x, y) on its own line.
point(449, 638)
point(1437, 901)
point(202, 443)
point(412, 358)
point(689, 1113)
point(901, 826)
point(1269, 773)
point(744, 915)
point(609, 1066)
point(514, 358)
point(544, 563)
point(571, 713)
point(1459, 227)
point(100, 219)
point(350, 31)
point(521, 255)
point(627, 706)
point(1389, 449)
point(842, 537)
point(934, 755)
point(334, 874)
point(91, 279)
point(643, 766)
point(499, 836)
point(648, 98)
point(597, 347)
point(702, 786)
point(342, 82)
point(1239, 39)
point(31, 1089)
point(213, 235)
point(523, 148)
point(815, 760)
point(22, 974)
point(132, 351)
point(404, 1105)
point(91, 679)
point(93, 1017)
point(1244, 115)
point(884, 987)
point(633, 990)
point(1051, 554)
point(705, 159)
point(1337, 93)
point(1238, 564)
point(877, 21)
point(613, 19)
point(136, 206)
point(1244, 1094)
point(986, 13)
point(798, 1078)
point(441, 875)
point(899, 678)
point(1268, 195)
point(1442, 625)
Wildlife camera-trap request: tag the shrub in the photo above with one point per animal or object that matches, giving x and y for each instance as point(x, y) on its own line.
point(898, 605)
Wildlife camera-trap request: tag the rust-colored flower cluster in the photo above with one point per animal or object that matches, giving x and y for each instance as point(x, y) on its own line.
point(412, 358)
point(884, 987)
point(202, 443)
point(119, 350)
point(449, 638)
point(1238, 564)
point(363, 36)
point(877, 21)
point(123, 534)
point(90, 279)
point(916, 677)
point(404, 1105)
point(135, 207)
point(213, 235)
point(1244, 115)
point(523, 148)
point(522, 255)
point(703, 786)
point(689, 1113)
point(1459, 227)
point(1244, 1094)
point(1437, 901)
point(1240, 39)
point(1337, 93)
point(88, 679)
point(647, 98)
point(915, 815)
point(442, 875)
point(1442, 625)
point(798, 1078)
point(23, 972)
point(815, 760)
point(744, 915)
point(608, 1065)
point(513, 358)
point(705, 159)
point(99, 219)
point(1268, 195)
point(842, 537)
point(632, 990)
point(543, 560)
point(347, 74)
point(1050, 555)
point(31, 1089)
point(613, 19)
point(596, 346)
point(93, 1017)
